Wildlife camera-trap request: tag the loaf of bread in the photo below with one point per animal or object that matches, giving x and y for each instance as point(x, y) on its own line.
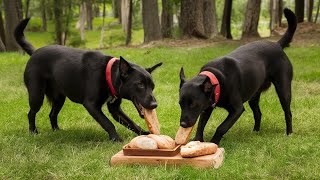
point(151, 119)
point(183, 135)
point(197, 148)
point(163, 141)
point(143, 142)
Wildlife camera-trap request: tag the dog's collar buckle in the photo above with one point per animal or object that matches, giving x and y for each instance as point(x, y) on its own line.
point(108, 76)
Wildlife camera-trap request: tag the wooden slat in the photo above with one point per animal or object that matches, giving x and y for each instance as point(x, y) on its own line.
point(208, 161)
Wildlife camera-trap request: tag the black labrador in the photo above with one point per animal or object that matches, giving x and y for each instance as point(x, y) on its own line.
point(59, 72)
point(231, 80)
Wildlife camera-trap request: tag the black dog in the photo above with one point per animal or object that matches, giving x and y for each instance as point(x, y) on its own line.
point(59, 72)
point(241, 75)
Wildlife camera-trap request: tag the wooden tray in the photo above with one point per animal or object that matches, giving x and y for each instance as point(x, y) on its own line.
point(150, 152)
point(208, 161)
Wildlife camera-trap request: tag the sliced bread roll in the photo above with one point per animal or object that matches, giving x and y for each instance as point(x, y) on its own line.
point(150, 116)
point(197, 148)
point(163, 141)
point(143, 142)
point(183, 135)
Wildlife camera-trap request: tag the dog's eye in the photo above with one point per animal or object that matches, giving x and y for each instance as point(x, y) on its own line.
point(140, 85)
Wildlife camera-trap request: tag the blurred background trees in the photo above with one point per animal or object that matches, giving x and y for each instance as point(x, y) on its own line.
point(104, 23)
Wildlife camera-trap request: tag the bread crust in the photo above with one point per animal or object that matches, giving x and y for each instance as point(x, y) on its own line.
point(197, 148)
point(163, 141)
point(150, 116)
point(183, 135)
point(143, 142)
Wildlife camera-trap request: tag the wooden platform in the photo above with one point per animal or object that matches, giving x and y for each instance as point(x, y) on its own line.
point(208, 161)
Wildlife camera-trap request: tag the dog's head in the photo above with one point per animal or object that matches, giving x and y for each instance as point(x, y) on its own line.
point(196, 95)
point(137, 85)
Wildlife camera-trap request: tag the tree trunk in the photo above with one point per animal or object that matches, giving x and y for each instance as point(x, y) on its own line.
point(226, 20)
point(116, 8)
point(210, 18)
point(166, 19)
point(58, 21)
point(68, 14)
point(82, 20)
point(12, 18)
point(128, 37)
point(43, 15)
point(27, 8)
point(89, 14)
point(192, 19)
point(150, 20)
point(316, 18)
point(2, 32)
point(309, 10)
point(280, 12)
point(274, 16)
point(299, 10)
point(125, 7)
point(102, 29)
point(251, 21)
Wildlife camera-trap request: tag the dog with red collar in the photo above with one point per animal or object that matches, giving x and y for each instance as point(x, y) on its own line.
point(86, 77)
point(240, 76)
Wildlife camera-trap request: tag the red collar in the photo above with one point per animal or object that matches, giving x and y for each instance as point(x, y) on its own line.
point(108, 75)
point(214, 81)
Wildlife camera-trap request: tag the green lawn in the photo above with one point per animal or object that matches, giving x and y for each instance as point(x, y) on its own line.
point(82, 149)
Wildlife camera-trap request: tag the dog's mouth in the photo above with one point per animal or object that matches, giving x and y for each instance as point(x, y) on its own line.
point(139, 107)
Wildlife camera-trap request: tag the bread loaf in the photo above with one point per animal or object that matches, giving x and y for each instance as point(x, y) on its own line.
point(143, 142)
point(151, 119)
point(163, 141)
point(183, 135)
point(197, 148)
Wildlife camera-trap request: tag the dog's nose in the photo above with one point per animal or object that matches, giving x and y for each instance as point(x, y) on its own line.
point(153, 105)
point(183, 124)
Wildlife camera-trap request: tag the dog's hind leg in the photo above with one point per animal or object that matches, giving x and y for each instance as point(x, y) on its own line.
point(36, 95)
point(283, 89)
point(254, 105)
point(122, 118)
point(57, 104)
point(204, 117)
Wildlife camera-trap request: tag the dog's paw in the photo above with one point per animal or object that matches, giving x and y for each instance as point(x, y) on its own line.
point(34, 132)
point(115, 139)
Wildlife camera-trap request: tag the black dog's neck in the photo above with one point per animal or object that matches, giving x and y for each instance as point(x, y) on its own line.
point(219, 76)
point(115, 76)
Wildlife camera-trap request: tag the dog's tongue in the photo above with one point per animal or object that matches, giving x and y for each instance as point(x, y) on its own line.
point(150, 116)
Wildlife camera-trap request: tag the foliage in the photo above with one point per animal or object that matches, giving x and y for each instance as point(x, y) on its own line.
point(81, 150)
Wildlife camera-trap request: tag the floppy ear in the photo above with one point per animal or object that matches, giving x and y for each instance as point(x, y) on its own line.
point(124, 68)
point(150, 69)
point(182, 77)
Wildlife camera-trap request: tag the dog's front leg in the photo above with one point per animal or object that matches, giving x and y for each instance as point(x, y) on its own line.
point(204, 117)
point(234, 114)
point(122, 118)
point(106, 124)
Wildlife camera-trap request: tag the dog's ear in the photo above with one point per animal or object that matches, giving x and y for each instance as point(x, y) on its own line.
point(124, 68)
point(150, 69)
point(182, 77)
point(208, 88)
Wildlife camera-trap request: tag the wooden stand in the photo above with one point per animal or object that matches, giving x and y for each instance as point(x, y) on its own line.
point(208, 161)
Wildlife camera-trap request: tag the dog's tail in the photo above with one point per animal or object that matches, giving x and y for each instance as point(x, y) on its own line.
point(21, 40)
point(292, 25)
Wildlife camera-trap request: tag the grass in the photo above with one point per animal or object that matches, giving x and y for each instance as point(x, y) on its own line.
point(82, 149)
